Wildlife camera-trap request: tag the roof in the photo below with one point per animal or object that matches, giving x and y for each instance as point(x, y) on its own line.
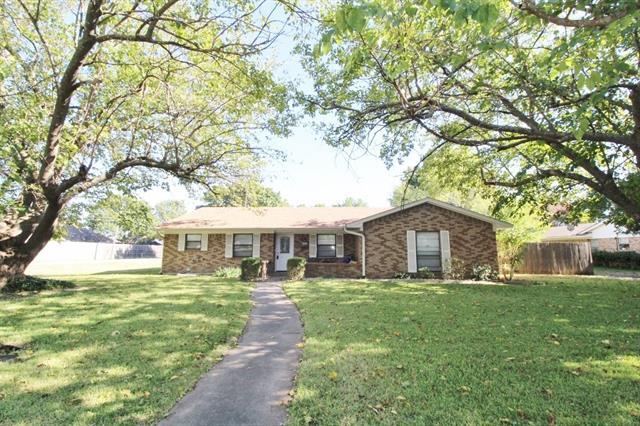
point(586, 231)
point(270, 217)
point(497, 224)
point(283, 218)
point(580, 231)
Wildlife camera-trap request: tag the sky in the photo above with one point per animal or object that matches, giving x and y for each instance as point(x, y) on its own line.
point(313, 172)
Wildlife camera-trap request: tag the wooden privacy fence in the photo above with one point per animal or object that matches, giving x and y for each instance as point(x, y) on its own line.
point(557, 258)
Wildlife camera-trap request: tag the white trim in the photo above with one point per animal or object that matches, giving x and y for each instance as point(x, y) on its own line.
point(445, 251)
point(339, 245)
point(211, 230)
point(497, 224)
point(228, 245)
point(412, 260)
point(181, 241)
point(204, 241)
point(256, 245)
point(313, 245)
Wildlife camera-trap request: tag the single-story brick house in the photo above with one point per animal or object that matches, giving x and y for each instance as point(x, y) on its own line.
point(337, 241)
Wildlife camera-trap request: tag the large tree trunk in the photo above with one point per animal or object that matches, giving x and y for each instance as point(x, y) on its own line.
point(15, 255)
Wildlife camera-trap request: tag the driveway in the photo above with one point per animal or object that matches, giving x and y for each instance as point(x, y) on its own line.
point(251, 385)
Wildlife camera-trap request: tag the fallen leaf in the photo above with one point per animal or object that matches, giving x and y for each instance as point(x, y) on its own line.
point(300, 345)
point(333, 376)
point(401, 398)
point(606, 343)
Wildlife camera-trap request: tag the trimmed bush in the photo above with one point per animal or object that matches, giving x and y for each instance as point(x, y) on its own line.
point(250, 268)
point(483, 273)
point(617, 259)
point(455, 269)
point(425, 274)
point(227, 272)
point(296, 267)
point(29, 283)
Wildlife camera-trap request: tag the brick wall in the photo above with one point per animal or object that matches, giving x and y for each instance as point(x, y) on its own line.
point(611, 244)
point(204, 262)
point(333, 270)
point(472, 240)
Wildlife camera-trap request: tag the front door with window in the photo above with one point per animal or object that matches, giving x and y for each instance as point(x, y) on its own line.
point(284, 250)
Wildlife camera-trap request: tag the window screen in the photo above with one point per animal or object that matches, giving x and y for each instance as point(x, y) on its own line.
point(326, 245)
point(428, 250)
point(242, 245)
point(193, 241)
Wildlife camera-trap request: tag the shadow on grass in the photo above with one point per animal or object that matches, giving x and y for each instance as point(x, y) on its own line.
point(122, 351)
point(405, 353)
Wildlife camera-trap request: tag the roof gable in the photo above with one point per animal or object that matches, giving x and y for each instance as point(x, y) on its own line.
point(497, 224)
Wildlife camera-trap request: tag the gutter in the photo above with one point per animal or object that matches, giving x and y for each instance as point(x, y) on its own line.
point(364, 252)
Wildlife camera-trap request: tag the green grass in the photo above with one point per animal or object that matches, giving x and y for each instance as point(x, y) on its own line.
point(117, 349)
point(567, 351)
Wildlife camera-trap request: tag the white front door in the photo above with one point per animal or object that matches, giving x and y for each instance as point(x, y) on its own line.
point(284, 250)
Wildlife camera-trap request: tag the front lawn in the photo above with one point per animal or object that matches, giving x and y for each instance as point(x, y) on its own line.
point(115, 349)
point(563, 351)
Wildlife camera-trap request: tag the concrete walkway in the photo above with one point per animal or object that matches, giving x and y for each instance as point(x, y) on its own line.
point(251, 385)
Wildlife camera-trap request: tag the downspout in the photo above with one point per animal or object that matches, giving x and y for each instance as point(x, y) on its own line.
point(364, 252)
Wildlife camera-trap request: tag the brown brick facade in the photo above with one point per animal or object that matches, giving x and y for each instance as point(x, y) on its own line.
point(195, 261)
point(333, 270)
point(472, 240)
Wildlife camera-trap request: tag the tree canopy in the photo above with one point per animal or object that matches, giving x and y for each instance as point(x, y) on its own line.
point(352, 202)
point(246, 193)
point(545, 94)
point(118, 92)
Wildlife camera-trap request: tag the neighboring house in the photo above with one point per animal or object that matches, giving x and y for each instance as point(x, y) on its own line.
point(600, 235)
point(337, 241)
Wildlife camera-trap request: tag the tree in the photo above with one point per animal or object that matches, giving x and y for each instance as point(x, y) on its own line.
point(124, 218)
point(545, 94)
point(247, 193)
point(352, 202)
point(164, 211)
point(450, 175)
point(115, 93)
point(512, 242)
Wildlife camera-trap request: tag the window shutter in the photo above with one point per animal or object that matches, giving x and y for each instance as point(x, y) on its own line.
point(339, 245)
point(228, 245)
point(181, 242)
point(411, 252)
point(204, 242)
point(445, 251)
point(313, 245)
point(256, 245)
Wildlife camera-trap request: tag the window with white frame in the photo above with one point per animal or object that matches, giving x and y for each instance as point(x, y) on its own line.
point(193, 241)
point(623, 243)
point(326, 245)
point(242, 245)
point(428, 250)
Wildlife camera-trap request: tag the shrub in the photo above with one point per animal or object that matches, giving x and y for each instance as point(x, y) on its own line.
point(455, 269)
point(402, 275)
point(296, 267)
point(227, 272)
point(250, 268)
point(483, 273)
point(425, 274)
point(617, 259)
point(29, 283)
